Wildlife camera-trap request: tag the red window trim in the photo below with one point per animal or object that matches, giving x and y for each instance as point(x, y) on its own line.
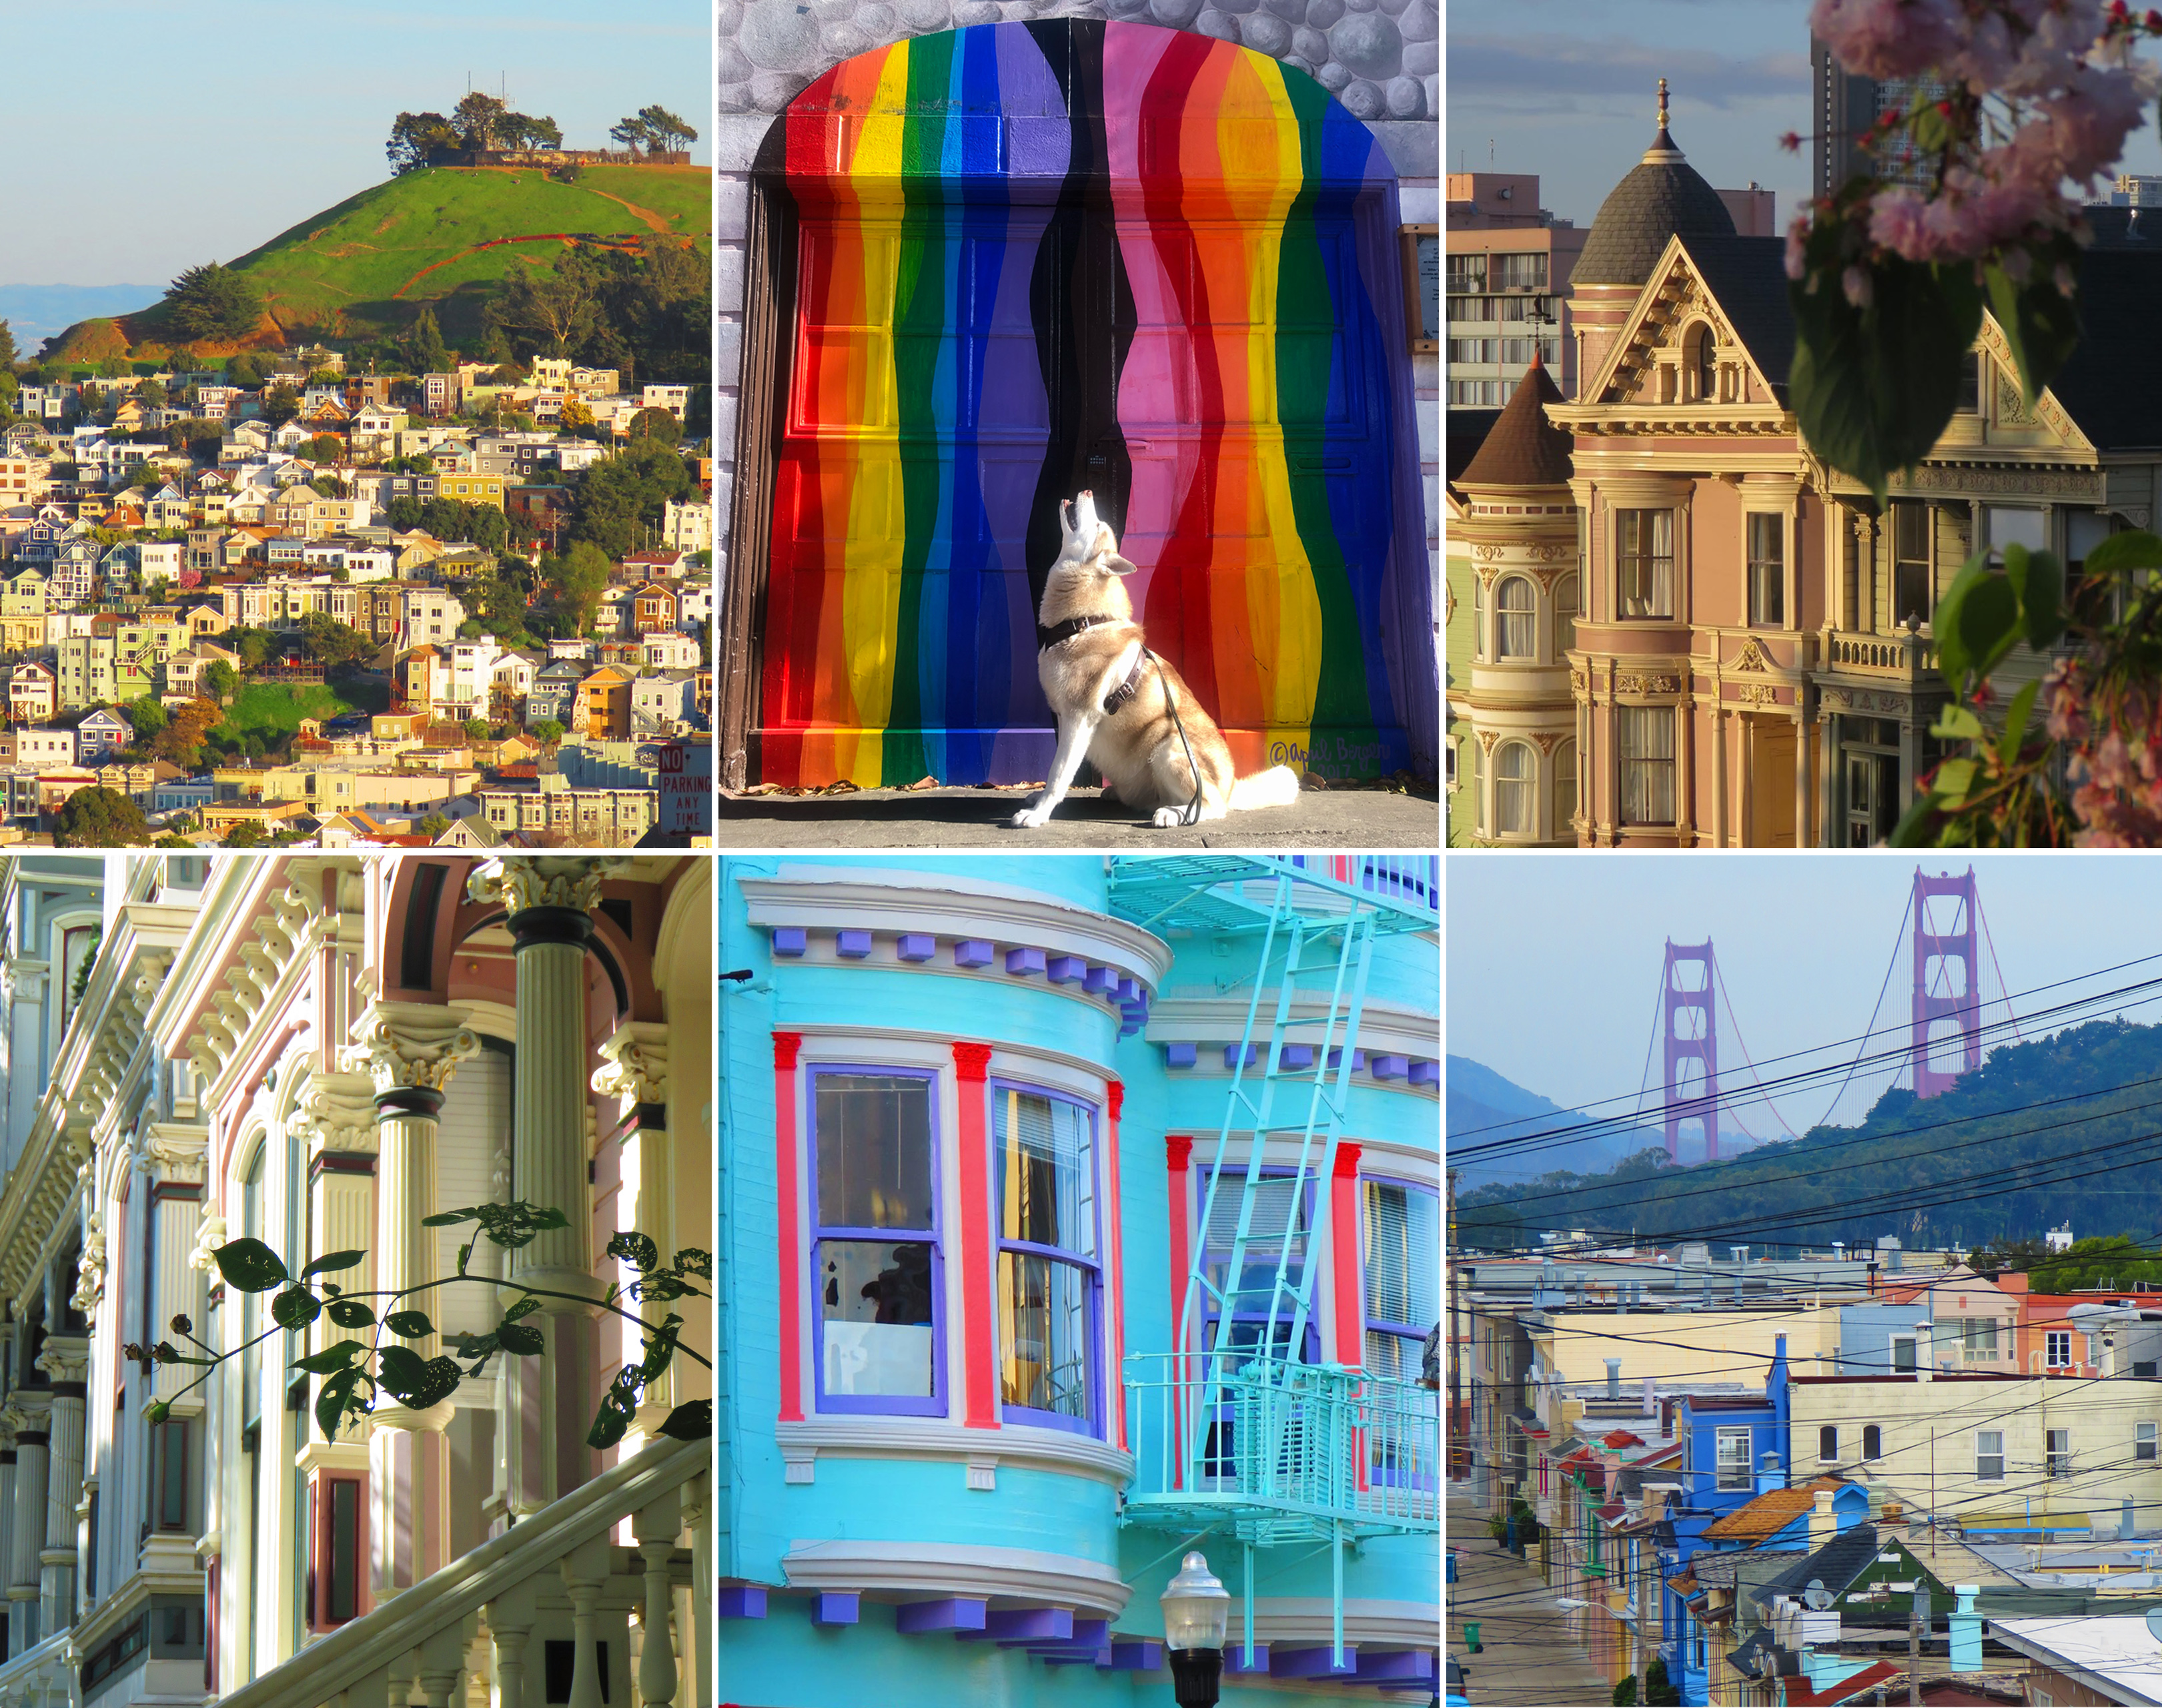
point(1351, 1299)
point(787, 1046)
point(1114, 1301)
point(972, 1064)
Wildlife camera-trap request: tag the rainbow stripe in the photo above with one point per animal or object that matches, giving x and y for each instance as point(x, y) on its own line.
point(1034, 258)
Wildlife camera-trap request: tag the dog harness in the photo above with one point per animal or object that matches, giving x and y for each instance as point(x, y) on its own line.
point(1121, 697)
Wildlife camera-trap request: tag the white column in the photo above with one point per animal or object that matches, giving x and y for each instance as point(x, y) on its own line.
point(637, 1076)
point(32, 1416)
point(550, 1396)
point(176, 1156)
point(412, 1050)
point(66, 1360)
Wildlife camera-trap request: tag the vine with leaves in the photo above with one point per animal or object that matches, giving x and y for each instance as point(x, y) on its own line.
point(352, 1373)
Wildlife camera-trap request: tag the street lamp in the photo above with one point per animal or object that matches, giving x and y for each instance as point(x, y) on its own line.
point(1196, 1613)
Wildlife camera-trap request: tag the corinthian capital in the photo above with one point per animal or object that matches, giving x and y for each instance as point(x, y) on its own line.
point(522, 882)
point(64, 1359)
point(172, 1151)
point(336, 1112)
point(636, 1063)
point(408, 1044)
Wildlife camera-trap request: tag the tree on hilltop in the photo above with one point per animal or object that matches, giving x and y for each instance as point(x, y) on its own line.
point(213, 301)
point(424, 344)
point(8, 354)
point(652, 130)
point(418, 139)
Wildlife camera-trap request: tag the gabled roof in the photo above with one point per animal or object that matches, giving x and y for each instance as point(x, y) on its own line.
point(1835, 1565)
point(2110, 382)
point(1747, 278)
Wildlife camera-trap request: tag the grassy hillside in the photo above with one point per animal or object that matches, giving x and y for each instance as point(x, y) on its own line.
point(445, 236)
point(2064, 1128)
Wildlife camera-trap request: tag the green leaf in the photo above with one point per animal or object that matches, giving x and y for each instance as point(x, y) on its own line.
point(250, 1264)
point(2134, 549)
point(332, 1261)
point(439, 1381)
point(2039, 321)
point(333, 1359)
point(351, 1314)
point(412, 1325)
point(296, 1307)
point(1873, 387)
point(336, 1397)
point(611, 1423)
point(524, 1308)
point(2015, 723)
point(1976, 622)
point(2039, 583)
point(1955, 723)
point(449, 1217)
point(692, 1421)
point(1954, 777)
point(516, 1337)
point(399, 1369)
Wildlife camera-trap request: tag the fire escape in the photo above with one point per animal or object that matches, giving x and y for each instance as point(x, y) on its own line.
point(1238, 1428)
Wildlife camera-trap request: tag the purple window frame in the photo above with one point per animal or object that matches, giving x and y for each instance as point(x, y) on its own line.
point(1234, 1176)
point(1410, 1332)
point(888, 1405)
point(1093, 1425)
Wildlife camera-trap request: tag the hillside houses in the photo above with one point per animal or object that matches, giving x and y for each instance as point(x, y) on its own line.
point(131, 565)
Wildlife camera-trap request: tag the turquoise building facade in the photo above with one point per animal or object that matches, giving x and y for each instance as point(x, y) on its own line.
point(969, 1113)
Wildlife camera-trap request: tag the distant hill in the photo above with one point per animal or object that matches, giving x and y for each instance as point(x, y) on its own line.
point(1999, 1156)
point(1483, 1107)
point(36, 312)
point(444, 236)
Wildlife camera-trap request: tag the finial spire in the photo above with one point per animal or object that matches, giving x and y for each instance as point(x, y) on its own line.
point(1663, 103)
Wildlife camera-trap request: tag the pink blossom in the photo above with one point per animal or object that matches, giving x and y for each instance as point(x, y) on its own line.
point(2111, 763)
point(1888, 37)
point(1797, 237)
point(1855, 283)
point(1897, 221)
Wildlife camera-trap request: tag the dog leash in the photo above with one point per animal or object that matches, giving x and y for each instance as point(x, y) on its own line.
point(1192, 813)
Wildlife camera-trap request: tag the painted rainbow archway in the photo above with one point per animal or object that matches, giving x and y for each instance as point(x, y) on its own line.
point(1033, 258)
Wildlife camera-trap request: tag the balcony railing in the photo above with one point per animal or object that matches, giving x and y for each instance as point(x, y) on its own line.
point(1280, 1452)
point(1907, 658)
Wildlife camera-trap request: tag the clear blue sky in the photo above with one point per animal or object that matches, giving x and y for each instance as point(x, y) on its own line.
point(1569, 89)
point(1552, 962)
point(145, 137)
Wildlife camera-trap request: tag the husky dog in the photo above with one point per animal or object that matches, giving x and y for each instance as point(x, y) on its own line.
point(1118, 704)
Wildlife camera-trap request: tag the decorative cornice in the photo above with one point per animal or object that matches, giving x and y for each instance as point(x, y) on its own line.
point(518, 882)
point(637, 1063)
point(951, 1568)
point(210, 1234)
point(405, 1045)
point(90, 1272)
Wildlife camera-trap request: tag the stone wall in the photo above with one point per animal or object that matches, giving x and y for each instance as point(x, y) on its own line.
point(1381, 59)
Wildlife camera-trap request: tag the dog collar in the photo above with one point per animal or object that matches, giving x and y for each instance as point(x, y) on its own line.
point(1045, 639)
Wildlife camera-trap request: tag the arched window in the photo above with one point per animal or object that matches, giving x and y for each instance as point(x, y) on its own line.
point(1703, 366)
point(1564, 790)
point(1517, 608)
point(1514, 770)
point(1568, 602)
point(1873, 1441)
point(1828, 1443)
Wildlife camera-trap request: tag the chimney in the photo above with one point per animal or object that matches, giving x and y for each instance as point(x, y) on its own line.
point(1823, 1526)
point(1966, 1630)
point(1577, 1278)
point(1651, 1396)
point(1926, 1353)
point(1614, 1378)
point(1770, 1476)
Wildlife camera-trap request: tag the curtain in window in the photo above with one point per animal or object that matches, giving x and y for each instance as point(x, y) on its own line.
point(1514, 774)
point(1645, 738)
point(1048, 1280)
point(1401, 1240)
point(1517, 608)
point(1564, 790)
point(1768, 576)
point(1645, 541)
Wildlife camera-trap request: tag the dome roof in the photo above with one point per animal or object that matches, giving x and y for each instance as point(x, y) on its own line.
point(1523, 447)
point(1663, 196)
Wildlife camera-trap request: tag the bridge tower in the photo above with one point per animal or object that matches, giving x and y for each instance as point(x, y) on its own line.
point(1690, 1034)
point(1946, 958)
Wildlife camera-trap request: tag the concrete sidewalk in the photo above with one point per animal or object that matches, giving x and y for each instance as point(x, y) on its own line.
point(1366, 819)
point(1528, 1654)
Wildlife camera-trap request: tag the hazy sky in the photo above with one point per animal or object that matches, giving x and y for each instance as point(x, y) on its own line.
point(1569, 89)
point(1553, 961)
point(145, 136)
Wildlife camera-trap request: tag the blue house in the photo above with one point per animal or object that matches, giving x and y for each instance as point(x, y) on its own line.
point(1063, 1230)
point(1727, 1441)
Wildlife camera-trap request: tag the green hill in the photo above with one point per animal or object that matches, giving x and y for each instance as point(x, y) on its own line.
point(2068, 1128)
point(445, 236)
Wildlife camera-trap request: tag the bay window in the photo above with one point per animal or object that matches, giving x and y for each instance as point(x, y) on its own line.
point(1050, 1283)
point(875, 1250)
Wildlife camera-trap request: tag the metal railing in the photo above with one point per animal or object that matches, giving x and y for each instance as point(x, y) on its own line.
point(1279, 1449)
